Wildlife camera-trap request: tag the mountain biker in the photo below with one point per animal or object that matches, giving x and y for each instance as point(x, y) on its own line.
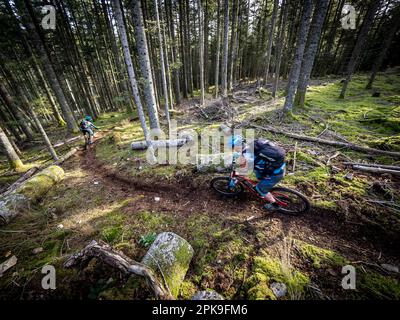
point(86, 126)
point(268, 160)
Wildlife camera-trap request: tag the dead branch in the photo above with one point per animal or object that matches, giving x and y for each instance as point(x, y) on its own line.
point(376, 170)
point(24, 177)
point(328, 142)
point(120, 261)
point(374, 165)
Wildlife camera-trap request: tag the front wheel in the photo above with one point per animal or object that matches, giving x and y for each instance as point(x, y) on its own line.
point(222, 185)
point(291, 201)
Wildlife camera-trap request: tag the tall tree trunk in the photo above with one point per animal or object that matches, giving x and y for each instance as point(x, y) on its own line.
point(296, 65)
point(394, 26)
point(201, 53)
point(48, 67)
point(131, 71)
point(144, 62)
point(13, 159)
point(162, 62)
point(175, 57)
point(22, 121)
point(224, 70)
point(232, 53)
point(281, 41)
point(44, 135)
point(270, 40)
point(311, 50)
point(206, 46)
point(218, 49)
point(360, 43)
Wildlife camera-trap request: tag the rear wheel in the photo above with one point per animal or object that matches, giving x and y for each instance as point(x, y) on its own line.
point(222, 186)
point(291, 201)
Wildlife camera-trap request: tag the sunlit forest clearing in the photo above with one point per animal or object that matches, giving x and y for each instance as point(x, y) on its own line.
point(331, 124)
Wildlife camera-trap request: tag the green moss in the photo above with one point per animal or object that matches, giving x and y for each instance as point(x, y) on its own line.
point(112, 234)
point(379, 287)
point(187, 290)
point(319, 257)
point(42, 182)
point(267, 269)
point(108, 291)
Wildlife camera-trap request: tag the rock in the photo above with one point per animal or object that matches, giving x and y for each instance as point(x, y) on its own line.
point(9, 263)
point(335, 169)
point(156, 199)
point(169, 256)
point(390, 268)
point(207, 295)
point(279, 289)
point(37, 250)
point(349, 176)
point(29, 191)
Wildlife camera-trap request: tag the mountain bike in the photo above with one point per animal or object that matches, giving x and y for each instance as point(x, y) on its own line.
point(290, 201)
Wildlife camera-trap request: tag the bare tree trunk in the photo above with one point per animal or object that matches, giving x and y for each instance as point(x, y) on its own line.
point(22, 122)
point(162, 62)
point(131, 71)
point(395, 22)
point(301, 43)
point(270, 39)
point(281, 41)
point(309, 56)
point(13, 159)
point(144, 62)
point(232, 53)
point(44, 135)
point(361, 39)
point(48, 67)
point(218, 49)
point(224, 70)
point(201, 53)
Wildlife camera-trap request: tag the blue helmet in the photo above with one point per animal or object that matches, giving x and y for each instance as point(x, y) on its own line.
point(88, 118)
point(235, 141)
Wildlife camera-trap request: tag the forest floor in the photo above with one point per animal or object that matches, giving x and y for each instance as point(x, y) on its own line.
point(110, 193)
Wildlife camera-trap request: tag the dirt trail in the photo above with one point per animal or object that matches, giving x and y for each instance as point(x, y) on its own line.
point(184, 198)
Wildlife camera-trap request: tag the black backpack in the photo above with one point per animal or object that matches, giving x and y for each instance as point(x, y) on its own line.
point(84, 125)
point(270, 153)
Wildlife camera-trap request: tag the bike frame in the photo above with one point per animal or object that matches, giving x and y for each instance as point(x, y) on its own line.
point(249, 185)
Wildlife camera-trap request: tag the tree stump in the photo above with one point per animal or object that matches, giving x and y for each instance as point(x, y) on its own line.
point(169, 256)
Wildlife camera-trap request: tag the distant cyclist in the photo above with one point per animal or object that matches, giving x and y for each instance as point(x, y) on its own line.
point(86, 126)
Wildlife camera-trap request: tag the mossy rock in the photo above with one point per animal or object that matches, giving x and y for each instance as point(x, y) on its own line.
point(169, 256)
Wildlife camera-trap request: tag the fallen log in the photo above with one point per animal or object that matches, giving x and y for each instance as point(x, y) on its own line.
point(169, 256)
point(374, 165)
point(219, 162)
point(142, 145)
point(376, 170)
point(28, 192)
point(328, 142)
point(65, 157)
point(120, 261)
point(21, 179)
point(70, 140)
